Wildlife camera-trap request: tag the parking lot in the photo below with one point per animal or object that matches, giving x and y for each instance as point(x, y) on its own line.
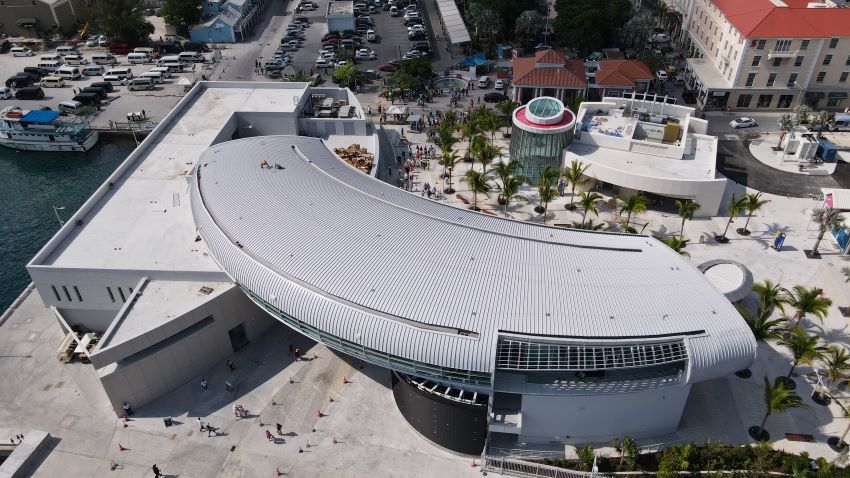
point(156, 103)
point(391, 44)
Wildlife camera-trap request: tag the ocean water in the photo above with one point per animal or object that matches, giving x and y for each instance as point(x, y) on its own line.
point(30, 185)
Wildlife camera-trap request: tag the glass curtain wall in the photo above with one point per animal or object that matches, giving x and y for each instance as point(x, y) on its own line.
point(536, 151)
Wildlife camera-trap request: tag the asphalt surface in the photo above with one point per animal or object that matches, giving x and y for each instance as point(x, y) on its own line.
point(736, 163)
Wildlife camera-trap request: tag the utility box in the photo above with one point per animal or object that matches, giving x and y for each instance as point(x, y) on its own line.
point(827, 150)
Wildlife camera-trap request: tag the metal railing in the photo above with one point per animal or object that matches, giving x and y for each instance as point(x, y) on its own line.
point(510, 467)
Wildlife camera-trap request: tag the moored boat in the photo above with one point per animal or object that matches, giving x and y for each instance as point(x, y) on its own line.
point(44, 130)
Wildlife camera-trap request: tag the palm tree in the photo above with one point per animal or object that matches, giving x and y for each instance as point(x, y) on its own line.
point(504, 170)
point(819, 120)
point(589, 225)
point(479, 183)
point(736, 205)
point(678, 244)
point(828, 219)
point(445, 138)
point(752, 203)
point(507, 108)
point(589, 202)
point(808, 301)
point(786, 124)
point(634, 204)
point(547, 191)
point(805, 349)
point(486, 153)
point(763, 329)
point(448, 160)
point(771, 296)
point(837, 362)
point(574, 103)
point(777, 399)
point(575, 176)
point(627, 448)
point(510, 191)
point(686, 210)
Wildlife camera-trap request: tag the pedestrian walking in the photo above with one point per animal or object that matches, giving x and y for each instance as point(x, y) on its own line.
point(200, 424)
point(228, 386)
point(235, 409)
point(127, 409)
point(230, 364)
point(210, 430)
point(279, 428)
point(269, 435)
point(156, 471)
point(204, 384)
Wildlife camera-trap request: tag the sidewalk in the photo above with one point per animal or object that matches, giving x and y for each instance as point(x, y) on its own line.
point(762, 150)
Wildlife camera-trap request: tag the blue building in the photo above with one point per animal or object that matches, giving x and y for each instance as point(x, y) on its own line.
point(227, 21)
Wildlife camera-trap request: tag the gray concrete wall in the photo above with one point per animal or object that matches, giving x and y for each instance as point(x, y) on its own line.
point(598, 418)
point(17, 9)
point(141, 381)
point(94, 320)
point(65, 14)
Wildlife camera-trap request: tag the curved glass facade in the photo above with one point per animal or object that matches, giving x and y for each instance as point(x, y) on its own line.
point(536, 151)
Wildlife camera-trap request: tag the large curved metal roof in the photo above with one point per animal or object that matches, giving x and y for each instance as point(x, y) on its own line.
point(399, 273)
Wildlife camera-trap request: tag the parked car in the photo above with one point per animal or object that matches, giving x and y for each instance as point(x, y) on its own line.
point(6, 93)
point(104, 84)
point(743, 122)
point(323, 63)
point(661, 75)
point(500, 84)
point(30, 93)
point(388, 67)
point(371, 36)
point(495, 97)
point(365, 54)
point(659, 38)
point(19, 81)
point(21, 51)
point(34, 70)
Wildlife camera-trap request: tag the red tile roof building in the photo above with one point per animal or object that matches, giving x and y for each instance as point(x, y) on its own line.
point(547, 73)
point(768, 54)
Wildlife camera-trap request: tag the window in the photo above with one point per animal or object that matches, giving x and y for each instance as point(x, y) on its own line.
point(764, 101)
point(833, 102)
point(782, 45)
point(827, 59)
point(77, 291)
point(792, 79)
point(756, 60)
point(798, 61)
point(785, 101)
point(56, 293)
point(760, 44)
point(804, 45)
point(750, 79)
point(744, 101)
point(777, 61)
point(833, 42)
point(843, 77)
point(111, 295)
point(771, 79)
point(121, 293)
point(67, 294)
point(821, 76)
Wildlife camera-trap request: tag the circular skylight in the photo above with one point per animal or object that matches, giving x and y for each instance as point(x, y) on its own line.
point(545, 110)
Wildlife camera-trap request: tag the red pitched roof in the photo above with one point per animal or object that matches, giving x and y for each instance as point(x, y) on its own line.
point(764, 19)
point(566, 73)
point(622, 73)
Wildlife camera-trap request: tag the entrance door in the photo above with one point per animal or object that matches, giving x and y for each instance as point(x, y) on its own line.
point(237, 337)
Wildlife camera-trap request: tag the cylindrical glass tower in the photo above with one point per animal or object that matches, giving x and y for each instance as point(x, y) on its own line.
point(541, 131)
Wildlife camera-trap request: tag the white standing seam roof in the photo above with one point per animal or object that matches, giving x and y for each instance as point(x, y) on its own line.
point(452, 22)
point(386, 269)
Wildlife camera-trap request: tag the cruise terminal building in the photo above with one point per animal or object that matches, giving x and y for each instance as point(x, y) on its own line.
point(491, 330)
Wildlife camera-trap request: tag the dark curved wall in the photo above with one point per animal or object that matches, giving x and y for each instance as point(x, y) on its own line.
point(457, 426)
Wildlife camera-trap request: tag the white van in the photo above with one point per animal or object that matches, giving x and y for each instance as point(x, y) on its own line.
point(72, 107)
point(50, 66)
point(155, 76)
point(191, 57)
point(52, 82)
point(137, 58)
point(21, 51)
point(67, 50)
point(122, 71)
point(166, 73)
point(103, 59)
point(114, 80)
point(140, 84)
point(93, 70)
point(69, 72)
point(484, 81)
point(50, 57)
point(74, 60)
point(173, 66)
point(169, 59)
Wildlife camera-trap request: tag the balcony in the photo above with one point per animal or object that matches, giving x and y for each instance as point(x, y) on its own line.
point(782, 54)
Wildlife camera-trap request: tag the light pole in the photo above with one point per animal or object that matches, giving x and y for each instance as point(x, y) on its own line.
point(56, 210)
point(800, 98)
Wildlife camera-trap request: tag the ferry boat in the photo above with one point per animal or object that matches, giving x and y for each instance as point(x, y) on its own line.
point(44, 130)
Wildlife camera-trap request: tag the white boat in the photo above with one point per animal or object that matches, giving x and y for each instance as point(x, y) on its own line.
point(44, 130)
